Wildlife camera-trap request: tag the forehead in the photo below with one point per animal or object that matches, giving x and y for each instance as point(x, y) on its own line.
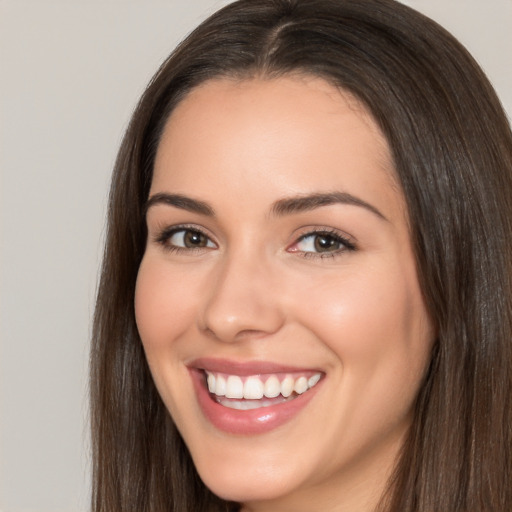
point(293, 134)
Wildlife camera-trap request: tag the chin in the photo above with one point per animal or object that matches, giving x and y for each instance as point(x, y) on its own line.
point(247, 475)
point(255, 485)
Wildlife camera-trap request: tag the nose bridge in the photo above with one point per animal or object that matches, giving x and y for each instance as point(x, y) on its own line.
point(242, 299)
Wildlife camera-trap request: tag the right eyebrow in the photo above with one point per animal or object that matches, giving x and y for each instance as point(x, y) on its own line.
point(179, 201)
point(309, 202)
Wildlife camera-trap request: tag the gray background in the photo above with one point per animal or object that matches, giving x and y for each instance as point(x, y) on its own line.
point(71, 72)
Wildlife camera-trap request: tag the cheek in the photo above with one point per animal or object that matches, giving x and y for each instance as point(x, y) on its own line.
point(377, 331)
point(151, 304)
point(164, 302)
point(164, 306)
point(163, 311)
point(374, 322)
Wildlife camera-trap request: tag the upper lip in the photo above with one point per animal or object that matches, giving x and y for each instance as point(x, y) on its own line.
point(243, 368)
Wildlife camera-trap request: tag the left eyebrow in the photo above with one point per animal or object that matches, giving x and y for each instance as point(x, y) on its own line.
point(304, 203)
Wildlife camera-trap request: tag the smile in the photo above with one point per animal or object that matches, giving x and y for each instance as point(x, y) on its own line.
point(254, 391)
point(252, 398)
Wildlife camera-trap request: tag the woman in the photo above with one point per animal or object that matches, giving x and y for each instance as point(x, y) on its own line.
point(306, 297)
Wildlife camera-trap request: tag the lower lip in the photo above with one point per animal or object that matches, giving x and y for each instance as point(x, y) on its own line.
point(250, 422)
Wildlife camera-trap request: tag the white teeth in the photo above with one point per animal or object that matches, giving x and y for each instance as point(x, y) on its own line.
point(211, 383)
point(234, 387)
point(245, 405)
point(287, 386)
point(301, 385)
point(253, 388)
point(313, 380)
point(220, 386)
point(272, 387)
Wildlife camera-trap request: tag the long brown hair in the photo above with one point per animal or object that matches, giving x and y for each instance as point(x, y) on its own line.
point(452, 150)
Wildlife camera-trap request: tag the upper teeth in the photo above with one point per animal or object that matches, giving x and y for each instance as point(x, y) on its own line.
point(256, 387)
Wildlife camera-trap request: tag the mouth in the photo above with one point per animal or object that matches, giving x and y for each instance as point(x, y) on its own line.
point(255, 391)
point(252, 398)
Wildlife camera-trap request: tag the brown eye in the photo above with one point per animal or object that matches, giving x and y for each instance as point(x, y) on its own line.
point(320, 243)
point(326, 243)
point(193, 239)
point(189, 239)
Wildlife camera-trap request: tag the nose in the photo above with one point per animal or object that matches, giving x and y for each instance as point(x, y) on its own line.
point(242, 301)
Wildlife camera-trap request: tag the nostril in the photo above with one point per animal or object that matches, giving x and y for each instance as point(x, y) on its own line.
point(245, 326)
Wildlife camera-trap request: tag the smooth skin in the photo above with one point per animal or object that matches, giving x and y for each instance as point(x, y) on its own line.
point(332, 288)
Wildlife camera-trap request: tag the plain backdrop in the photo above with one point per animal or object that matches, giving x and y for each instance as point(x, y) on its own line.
point(70, 74)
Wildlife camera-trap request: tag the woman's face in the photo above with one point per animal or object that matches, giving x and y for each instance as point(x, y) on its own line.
point(279, 272)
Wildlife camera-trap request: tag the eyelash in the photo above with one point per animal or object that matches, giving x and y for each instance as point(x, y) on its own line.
point(347, 244)
point(163, 237)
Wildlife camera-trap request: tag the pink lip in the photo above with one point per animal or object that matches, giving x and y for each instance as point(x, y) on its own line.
point(244, 369)
point(249, 422)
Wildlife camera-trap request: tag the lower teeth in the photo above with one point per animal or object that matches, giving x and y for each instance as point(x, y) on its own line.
point(245, 405)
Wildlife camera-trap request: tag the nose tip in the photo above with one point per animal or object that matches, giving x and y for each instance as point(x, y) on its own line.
point(241, 305)
point(231, 330)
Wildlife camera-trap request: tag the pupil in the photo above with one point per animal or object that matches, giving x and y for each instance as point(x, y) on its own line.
point(194, 239)
point(325, 243)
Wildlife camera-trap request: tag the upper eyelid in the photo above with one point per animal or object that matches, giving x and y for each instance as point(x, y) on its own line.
point(349, 242)
point(163, 238)
point(318, 230)
point(183, 227)
point(164, 233)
